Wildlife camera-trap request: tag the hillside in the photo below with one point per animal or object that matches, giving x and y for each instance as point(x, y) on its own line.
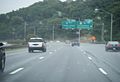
point(39, 19)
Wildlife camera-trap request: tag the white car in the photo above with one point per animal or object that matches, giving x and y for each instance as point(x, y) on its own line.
point(36, 44)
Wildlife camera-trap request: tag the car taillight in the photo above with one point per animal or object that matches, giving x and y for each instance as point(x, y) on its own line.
point(118, 45)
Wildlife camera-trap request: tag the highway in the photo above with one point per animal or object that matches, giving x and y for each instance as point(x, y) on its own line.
point(62, 63)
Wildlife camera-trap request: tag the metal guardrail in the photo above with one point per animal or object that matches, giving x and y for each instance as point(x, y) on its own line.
point(13, 46)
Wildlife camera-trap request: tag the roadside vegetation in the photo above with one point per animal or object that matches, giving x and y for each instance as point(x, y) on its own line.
point(39, 19)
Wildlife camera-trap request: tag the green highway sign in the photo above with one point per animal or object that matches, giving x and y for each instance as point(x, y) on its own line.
point(86, 24)
point(69, 24)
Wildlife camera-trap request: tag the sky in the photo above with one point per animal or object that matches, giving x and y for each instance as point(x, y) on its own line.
point(10, 5)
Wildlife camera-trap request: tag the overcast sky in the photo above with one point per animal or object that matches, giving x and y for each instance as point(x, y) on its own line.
point(9, 5)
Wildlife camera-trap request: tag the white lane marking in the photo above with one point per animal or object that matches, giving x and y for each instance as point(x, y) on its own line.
point(41, 57)
point(19, 69)
point(81, 50)
point(104, 72)
point(84, 52)
point(89, 58)
point(50, 52)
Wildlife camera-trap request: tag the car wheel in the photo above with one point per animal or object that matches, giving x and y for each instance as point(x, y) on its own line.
point(72, 45)
point(106, 49)
point(32, 50)
point(29, 50)
point(2, 64)
point(44, 50)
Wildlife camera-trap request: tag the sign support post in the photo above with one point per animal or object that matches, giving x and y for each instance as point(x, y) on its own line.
point(79, 36)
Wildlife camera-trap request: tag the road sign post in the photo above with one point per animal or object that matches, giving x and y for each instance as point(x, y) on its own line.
point(79, 37)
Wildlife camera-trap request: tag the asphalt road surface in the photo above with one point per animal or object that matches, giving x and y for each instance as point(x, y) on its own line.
point(62, 63)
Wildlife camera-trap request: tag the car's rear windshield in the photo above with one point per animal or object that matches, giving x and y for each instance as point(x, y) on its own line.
point(36, 40)
point(113, 42)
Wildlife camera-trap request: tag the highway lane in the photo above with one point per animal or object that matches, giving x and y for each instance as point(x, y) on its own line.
point(18, 57)
point(107, 60)
point(61, 63)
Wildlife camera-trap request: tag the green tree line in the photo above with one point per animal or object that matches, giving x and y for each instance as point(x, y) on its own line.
point(42, 16)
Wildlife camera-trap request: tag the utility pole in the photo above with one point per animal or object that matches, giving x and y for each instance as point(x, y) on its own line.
point(79, 37)
point(53, 33)
point(102, 32)
point(35, 31)
point(13, 33)
point(111, 27)
point(79, 34)
point(25, 29)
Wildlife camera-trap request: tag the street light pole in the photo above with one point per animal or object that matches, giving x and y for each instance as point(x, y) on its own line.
point(102, 36)
point(111, 27)
point(25, 31)
point(35, 31)
point(79, 37)
point(53, 31)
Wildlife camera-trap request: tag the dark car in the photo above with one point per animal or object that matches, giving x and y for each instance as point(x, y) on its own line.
point(112, 45)
point(75, 44)
point(2, 57)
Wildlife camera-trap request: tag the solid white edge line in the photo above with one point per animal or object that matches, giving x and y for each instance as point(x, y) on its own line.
point(89, 58)
point(104, 72)
point(17, 70)
point(41, 57)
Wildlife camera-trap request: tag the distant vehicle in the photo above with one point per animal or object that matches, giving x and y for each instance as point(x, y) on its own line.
point(93, 39)
point(36, 44)
point(2, 57)
point(58, 41)
point(75, 44)
point(112, 45)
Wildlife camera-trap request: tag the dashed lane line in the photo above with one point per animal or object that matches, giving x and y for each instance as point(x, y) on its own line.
point(82, 50)
point(16, 71)
point(89, 58)
point(41, 58)
point(84, 53)
point(50, 52)
point(102, 71)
